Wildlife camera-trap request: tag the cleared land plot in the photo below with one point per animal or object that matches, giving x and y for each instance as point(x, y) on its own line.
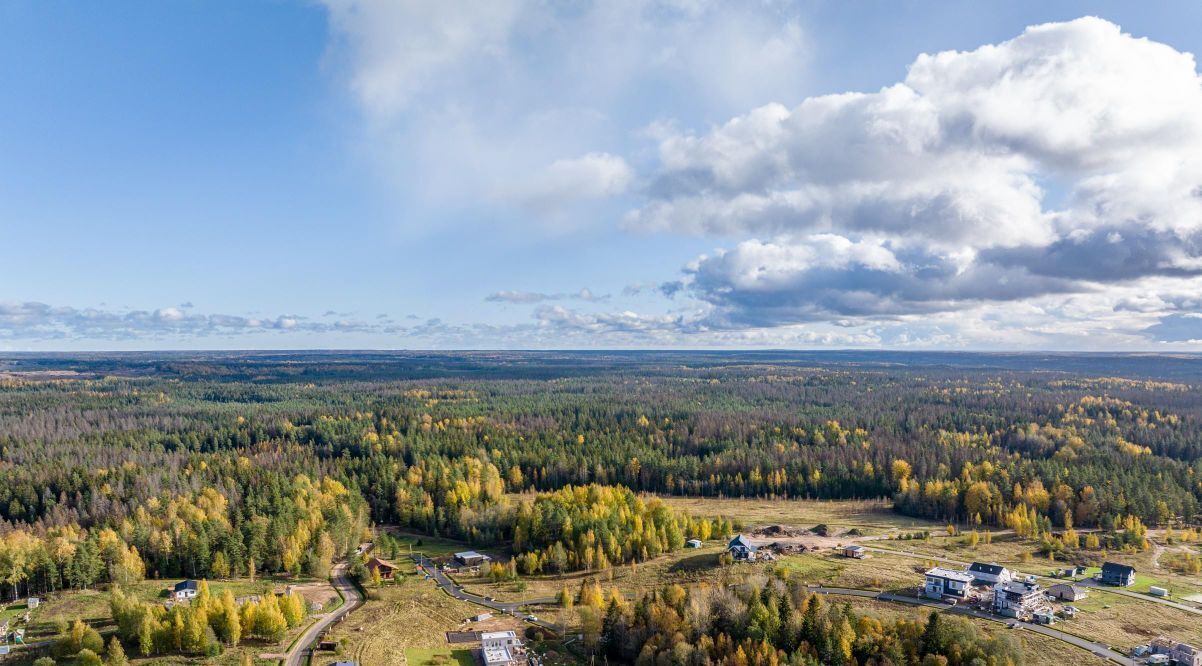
point(870, 516)
point(412, 614)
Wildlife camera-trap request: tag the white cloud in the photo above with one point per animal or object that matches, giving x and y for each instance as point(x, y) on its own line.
point(531, 103)
point(1065, 161)
point(570, 181)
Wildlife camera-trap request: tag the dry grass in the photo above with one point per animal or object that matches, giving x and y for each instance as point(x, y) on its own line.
point(870, 516)
point(410, 615)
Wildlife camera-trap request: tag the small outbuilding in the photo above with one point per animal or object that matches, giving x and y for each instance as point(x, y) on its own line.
point(693, 543)
point(854, 552)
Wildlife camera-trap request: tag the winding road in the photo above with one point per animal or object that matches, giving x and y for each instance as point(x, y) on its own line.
point(352, 599)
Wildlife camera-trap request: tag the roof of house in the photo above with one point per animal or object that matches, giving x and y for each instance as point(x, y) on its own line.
point(694, 540)
point(497, 634)
point(1018, 587)
point(381, 563)
point(186, 585)
point(468, 554)
point(1116, 568)
point(741, 540)
point(1077, 589)
point(949, 574)
point(855, 548)
point(991, 569)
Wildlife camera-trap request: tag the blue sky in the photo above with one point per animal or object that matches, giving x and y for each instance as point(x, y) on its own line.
point(409, 175)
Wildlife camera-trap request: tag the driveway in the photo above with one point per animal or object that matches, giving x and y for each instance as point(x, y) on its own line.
point(352, 599)
point(455, 590)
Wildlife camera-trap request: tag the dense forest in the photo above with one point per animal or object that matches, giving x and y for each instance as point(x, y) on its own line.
point(119, 467)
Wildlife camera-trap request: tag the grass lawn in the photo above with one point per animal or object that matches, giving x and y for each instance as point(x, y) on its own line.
point(430, 545)
point(439, 657)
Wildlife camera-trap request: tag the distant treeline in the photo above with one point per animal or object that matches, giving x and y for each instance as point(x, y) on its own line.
point(209, 468)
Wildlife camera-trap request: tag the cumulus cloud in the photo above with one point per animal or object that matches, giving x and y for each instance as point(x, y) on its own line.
point(1067, 160)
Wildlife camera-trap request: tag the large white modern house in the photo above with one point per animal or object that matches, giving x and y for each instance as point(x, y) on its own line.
point(941, 583)
point(500, 648)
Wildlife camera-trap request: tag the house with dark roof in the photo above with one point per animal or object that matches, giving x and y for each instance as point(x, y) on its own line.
point(186, 589)
point(989, 574)
point(742, 549)
point(1120, 575)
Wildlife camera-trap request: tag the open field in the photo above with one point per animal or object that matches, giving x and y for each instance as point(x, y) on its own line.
point(869, 516)
point(878, 571)
point(1124, 622)
point(401, 620)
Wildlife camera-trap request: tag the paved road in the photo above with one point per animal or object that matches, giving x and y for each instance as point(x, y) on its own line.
point(455, 590)
point(351, 600)
point(1096, 648)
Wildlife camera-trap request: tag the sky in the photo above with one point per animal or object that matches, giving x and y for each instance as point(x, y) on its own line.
point(573, 174)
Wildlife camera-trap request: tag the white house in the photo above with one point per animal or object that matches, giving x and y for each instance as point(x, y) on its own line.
point(185, 590)
point(942, 583)
point(500, 648)
point(989, 574)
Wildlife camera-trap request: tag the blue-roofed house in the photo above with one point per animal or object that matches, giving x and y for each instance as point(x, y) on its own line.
point(741, 549)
